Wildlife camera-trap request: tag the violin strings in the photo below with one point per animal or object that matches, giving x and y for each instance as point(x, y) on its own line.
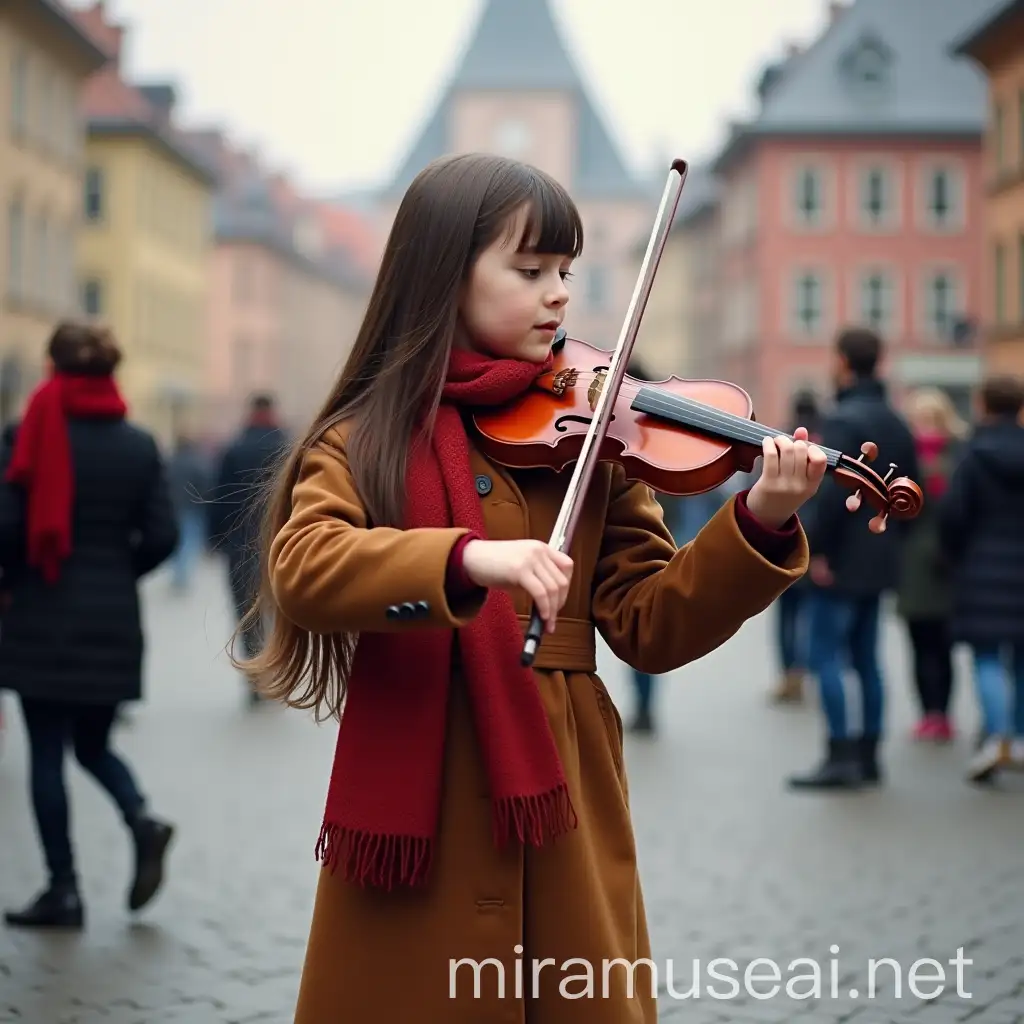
point(700, 415)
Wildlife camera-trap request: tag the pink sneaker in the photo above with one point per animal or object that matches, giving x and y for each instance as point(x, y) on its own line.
point(927, 729)
point(944, 731)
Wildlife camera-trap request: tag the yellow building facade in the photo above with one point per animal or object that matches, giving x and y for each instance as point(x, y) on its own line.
point(44, 60)
point(144, 266)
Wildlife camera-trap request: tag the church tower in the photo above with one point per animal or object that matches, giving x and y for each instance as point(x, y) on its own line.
point(516, 91)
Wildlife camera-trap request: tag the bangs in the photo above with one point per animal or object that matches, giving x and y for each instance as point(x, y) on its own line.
point(552, 225)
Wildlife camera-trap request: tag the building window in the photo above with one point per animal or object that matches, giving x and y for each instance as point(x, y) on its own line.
point(42, 265)
point(877, 293)
point(809, 196)
point(92, 297)
point(19, 95)
point(808, 304)
point(94, 182)
point(16, 249)
point(941, 305)
point(876, 199)
point(999, 283)
point(1020, 278)
point(996, 132)
point(942, 198)
point(1020, 126)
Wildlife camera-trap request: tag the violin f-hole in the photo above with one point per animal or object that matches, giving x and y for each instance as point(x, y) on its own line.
point(572, 417)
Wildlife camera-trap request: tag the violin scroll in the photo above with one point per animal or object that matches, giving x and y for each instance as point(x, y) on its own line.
point(900, 498)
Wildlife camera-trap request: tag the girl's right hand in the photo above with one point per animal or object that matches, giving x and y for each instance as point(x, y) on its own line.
point(537, 568)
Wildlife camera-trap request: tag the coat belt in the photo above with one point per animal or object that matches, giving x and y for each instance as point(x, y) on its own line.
point(571, 648)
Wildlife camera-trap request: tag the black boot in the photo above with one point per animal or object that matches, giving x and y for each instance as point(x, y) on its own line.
point(869, 769)
point(151, 839)
point(841, 768)
point(60, 906)
point(643, 723)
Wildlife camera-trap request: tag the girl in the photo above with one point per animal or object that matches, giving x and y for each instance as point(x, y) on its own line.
point(925, 594)
point(478, 810)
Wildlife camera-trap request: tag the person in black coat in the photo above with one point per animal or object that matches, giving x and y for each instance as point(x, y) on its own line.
point(980, 523)
point(851, 567)
point(246, 467)
point(84, 515)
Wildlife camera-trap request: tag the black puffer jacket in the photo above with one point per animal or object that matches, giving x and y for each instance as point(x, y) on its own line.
point(80, 640)
point(982, 531)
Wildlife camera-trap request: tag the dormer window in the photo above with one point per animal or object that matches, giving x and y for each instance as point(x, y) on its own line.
point(867, 65)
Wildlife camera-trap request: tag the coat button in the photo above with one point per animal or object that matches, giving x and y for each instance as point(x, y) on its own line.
point(422, 609)
point(407, 610)
point(393, 612)
point(483, 485)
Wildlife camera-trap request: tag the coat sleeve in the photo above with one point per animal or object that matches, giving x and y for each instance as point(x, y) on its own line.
point(331, 573)
point(659, 608)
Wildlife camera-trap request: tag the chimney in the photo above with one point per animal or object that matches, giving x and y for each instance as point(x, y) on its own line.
point(107, 36)
point(161, 97)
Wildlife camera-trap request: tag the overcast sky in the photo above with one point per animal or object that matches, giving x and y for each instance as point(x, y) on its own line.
point(333, 91)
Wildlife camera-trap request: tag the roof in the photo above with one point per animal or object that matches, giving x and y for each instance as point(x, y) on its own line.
point(112, 106)
point(256, 207)
point(882, 67)
point(982, 32)
point(517, 46)
point(64, 22)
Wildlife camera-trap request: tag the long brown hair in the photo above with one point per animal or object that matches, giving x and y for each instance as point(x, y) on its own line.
point(394, 376)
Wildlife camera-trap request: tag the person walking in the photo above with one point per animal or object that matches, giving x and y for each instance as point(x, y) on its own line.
point(246, 466)
point(980, 523)
point(84, 514)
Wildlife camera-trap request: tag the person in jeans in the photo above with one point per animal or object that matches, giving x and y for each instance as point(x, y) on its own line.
point(792, 607)
point(851, 567)
point(84, 514)
point(981, 522)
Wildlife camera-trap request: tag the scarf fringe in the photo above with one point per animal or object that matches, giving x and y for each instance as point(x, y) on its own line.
point(534, 819)
point(383, 861)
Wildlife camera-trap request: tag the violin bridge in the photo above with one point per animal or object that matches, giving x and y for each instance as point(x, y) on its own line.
point(596, 386)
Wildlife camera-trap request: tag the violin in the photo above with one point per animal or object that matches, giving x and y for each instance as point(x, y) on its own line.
point(679, 437)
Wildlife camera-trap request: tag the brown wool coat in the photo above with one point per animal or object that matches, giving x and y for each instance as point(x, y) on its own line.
point(384, 958)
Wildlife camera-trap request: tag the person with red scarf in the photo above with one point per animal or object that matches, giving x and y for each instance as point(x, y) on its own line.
point(478, 808)
point(84, 514)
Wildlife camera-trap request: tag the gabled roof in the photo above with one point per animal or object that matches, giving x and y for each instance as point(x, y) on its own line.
point(62, 20)
point(982, 32)
point(881, 67)
point(517, 47)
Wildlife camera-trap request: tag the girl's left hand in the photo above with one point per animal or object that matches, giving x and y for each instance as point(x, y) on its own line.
point(791, 472)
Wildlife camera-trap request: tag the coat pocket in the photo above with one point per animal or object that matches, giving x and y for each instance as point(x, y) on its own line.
point(612, 721)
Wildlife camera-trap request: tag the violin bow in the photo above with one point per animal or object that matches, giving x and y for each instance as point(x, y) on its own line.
point(568, 516)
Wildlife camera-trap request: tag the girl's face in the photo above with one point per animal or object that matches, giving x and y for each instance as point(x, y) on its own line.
point(513, 302)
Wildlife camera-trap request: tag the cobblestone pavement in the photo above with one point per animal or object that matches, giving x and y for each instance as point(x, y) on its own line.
point(734, 866)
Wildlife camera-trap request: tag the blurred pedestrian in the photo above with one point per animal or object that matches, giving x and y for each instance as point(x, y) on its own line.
point(980, 521)
point(84, 515)
point(792, 609)
point(925, 595)
point(235, 508)
point(188, 470)
point(851, 567)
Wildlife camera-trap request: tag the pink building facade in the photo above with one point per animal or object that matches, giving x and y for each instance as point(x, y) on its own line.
point(855, 198)
point(289, 282)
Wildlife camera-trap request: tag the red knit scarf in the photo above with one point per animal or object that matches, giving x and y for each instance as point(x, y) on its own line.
point(385, 790)
point(41, 461)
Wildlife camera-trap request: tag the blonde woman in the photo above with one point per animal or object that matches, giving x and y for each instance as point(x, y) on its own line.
point(924, 597)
